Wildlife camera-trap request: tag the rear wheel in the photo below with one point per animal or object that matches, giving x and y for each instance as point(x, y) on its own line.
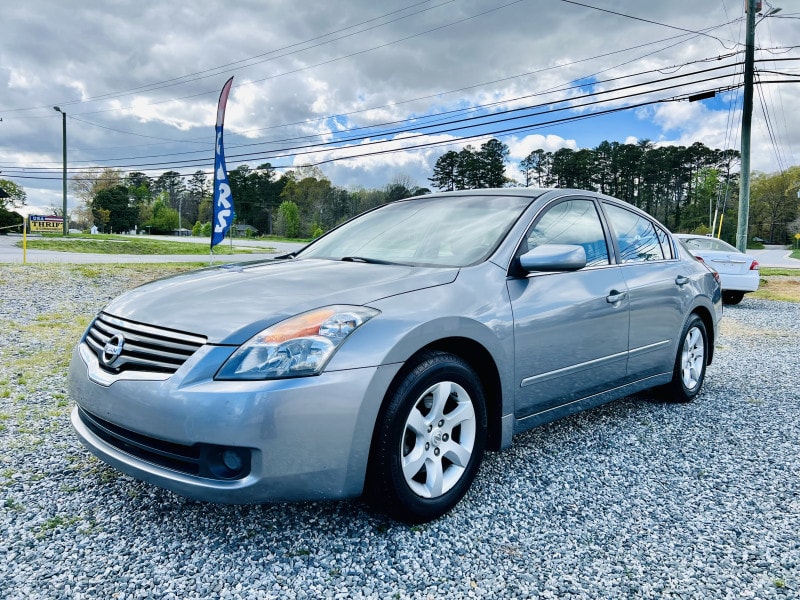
point(690, 363)
point(429, 440)
point(732, 297)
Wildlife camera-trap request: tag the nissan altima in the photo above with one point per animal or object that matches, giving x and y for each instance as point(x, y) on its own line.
point(385, 357)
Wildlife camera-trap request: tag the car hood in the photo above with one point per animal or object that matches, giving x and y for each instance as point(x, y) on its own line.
point(229, 304)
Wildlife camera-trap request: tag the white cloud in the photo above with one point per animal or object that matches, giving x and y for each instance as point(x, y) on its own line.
point(155, 69)
point(520, 148)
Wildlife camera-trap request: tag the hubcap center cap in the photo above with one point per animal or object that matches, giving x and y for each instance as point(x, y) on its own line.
point(436, 437)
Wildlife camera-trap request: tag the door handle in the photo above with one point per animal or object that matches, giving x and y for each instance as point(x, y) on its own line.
point(681, 280)
point(615, 296)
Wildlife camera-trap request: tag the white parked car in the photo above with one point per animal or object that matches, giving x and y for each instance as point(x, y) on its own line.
point(738, 272)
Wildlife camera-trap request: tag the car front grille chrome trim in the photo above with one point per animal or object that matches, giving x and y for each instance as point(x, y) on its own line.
point(138, 347)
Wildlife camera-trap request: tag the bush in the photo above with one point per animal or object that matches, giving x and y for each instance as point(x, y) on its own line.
point(8, 218)
point(288, 219)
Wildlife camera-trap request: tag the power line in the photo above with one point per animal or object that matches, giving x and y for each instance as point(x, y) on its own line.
point(301, 69)
point(619, 14)
point(493, 132)
point(457, 125)
point(193, 76)
point(374, 130)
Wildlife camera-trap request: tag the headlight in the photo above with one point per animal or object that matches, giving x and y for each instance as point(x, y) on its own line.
point(297, 347)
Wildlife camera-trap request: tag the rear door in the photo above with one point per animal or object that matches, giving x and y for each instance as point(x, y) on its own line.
point(659, 290)
point(570, 328)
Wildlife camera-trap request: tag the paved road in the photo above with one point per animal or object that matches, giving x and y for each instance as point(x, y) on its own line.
point(10, 253)
point(775, 256)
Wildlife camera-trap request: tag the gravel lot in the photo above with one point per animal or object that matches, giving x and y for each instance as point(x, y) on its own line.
point(636, 499)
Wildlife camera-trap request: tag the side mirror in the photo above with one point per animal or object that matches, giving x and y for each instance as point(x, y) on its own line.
point(554, 257)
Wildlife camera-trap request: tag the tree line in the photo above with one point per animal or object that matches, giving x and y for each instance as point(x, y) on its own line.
point(299, 203)
point(687, 188)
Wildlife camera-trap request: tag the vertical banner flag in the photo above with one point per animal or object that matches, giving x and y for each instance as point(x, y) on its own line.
point(223, 202)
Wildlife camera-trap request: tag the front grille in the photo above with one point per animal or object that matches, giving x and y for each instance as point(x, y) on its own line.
point(143, 347)
point(204, 460)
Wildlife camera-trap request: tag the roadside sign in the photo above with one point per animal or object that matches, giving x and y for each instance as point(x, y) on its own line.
point(49, 223)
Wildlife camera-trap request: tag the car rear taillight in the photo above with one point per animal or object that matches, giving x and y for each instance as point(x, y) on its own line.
point(716, 276)
point(754, 266)
point(700, 258)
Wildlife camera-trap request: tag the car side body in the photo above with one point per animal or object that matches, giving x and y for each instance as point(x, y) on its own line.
point(564, 309)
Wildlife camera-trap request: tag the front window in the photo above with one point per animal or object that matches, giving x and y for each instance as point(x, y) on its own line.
point(574, 222)
point(449, 232)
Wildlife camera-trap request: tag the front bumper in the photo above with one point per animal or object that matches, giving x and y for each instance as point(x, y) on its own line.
point(306, 438)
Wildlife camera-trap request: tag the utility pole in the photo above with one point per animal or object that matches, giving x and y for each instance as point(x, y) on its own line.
point(65, 229)
point(747, 120)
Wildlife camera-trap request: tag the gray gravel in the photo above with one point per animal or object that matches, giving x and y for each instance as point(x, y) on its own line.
point(637, 499)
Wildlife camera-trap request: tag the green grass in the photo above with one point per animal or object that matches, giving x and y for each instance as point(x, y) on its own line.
point(13, 504)
point(53, 335)
point(118, 244)
point(770, 271)
point(54, 523)
point(277, 238)
point(778, 284)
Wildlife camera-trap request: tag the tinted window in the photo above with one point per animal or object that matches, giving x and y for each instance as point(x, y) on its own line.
point(572, 222)
point(636, 236)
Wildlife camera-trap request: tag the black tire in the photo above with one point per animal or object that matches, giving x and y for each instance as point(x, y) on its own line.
point(429, 439)
point(690, 363)
point(732, 297)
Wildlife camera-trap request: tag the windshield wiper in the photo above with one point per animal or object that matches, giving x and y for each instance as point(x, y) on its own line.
point(364, 259)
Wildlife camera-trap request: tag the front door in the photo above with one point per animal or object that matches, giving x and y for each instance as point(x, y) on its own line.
point(570, 328)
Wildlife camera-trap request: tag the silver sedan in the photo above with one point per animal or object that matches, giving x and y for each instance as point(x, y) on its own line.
point(385, 357)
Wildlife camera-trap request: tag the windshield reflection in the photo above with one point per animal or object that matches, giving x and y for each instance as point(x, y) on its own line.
point(448, 232)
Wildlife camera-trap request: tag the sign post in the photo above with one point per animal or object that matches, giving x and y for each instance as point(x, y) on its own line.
point(24, 240)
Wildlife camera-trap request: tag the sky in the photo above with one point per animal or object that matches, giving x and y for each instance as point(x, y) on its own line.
point(375, 92)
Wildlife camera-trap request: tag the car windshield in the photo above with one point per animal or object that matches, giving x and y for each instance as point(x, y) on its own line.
point(454, 232)
point(708, 243)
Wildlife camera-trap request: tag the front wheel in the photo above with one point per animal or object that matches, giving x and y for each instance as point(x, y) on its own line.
point(429, 439)
point(690, 363)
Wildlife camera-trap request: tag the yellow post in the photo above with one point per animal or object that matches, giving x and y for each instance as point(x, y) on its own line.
point(24, 239)
point(719, 231)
